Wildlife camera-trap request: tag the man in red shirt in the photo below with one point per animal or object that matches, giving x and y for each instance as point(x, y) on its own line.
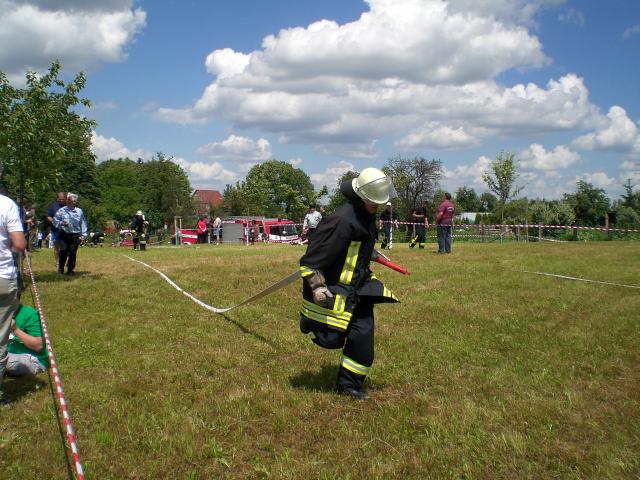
point(444, 222)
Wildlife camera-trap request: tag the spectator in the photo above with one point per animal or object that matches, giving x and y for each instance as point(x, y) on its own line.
point(444, 224)
point(421, 223)
point(72, 228)
point(30, 228)
point(311, 221)
point(217, 225)
point(27, 353)
point(201, 229)
point(60, 202)
point(387, 222)
point(11, 241)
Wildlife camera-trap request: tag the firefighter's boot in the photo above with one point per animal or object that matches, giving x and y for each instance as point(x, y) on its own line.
point(414, 240)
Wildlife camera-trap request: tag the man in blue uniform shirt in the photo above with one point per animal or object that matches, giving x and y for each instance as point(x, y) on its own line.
point(72, 228)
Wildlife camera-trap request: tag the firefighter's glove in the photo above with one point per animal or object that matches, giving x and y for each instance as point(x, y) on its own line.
point(321, 293)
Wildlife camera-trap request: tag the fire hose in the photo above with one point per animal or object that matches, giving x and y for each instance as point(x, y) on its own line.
point(377, 257)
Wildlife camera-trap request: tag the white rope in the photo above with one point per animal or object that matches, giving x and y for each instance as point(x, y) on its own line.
point(582, 279)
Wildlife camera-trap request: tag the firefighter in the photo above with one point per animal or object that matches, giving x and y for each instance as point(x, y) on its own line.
point(138, 227)
point(421, 223)
point(339, 290)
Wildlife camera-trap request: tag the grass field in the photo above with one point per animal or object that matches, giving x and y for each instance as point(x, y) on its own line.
point(481, 372)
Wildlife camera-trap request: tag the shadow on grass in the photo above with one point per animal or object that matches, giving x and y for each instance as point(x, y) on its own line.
point(17, 387)
point(53, 276)
point(247, 331)
point(317, 381)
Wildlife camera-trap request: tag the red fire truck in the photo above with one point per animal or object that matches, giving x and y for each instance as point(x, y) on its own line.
point(251, 229)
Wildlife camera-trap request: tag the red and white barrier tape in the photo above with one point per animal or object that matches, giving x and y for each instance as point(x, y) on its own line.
point(56, 376)
point(505, 225)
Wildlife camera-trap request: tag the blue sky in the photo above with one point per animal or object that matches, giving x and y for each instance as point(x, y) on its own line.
point(336, 85)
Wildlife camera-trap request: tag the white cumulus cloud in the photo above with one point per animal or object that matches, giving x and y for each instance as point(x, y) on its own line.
point(107, 148)
point(434, 135)
point(598, 179)
point(207, 173)
point(79, 34)
point(332, 174)
point(239, 149)
point(617, 132)
point(538, 158)
point(469, 175)
point(426, 67)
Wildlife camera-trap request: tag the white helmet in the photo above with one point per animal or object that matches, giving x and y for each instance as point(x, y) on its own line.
point(374, 186)
point(139, 212)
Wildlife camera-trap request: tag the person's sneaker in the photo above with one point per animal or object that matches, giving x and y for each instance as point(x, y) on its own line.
point(304, 325)
point(70, 272)
point(353, 393)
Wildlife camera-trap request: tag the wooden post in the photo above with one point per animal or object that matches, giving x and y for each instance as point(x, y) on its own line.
point(481, 232)
point(517, 233)
point(539, 232)
point(575, 233)
point(606, 226)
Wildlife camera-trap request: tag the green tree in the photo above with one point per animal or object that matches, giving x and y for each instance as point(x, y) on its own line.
point(516, 211)
point(165, 190)
point(118, 181)
point(627, 217)
point(629, 198)
point(415, 179)
point(41, 134)
point(563, 213)
point(274, 189)
point(488, 202)
point(501, 179)
point(589, 203)
point(540, 212)
point(467, 200)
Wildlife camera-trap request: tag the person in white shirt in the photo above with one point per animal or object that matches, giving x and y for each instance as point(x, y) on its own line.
point(216, 225)
point(12, 241)
point(311, 221)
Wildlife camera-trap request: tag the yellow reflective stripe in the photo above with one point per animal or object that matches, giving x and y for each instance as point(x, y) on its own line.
point(306, 271)
point(388, 293)
point(326, 311)
point(340, 303)
point(354, 367)
point(328, 319)
point(350, 263)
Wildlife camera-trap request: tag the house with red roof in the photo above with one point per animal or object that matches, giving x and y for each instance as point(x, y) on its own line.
point(205, 201)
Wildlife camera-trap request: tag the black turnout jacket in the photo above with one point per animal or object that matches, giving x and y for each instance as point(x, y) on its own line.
point(341, 249)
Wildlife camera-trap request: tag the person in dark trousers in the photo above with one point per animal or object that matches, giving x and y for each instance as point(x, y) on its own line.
point(387, 222)
point(138, 228)
point(339, 291)
point(421, 223)
point(72, 228)
point(60, 202)
point(444, 224)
